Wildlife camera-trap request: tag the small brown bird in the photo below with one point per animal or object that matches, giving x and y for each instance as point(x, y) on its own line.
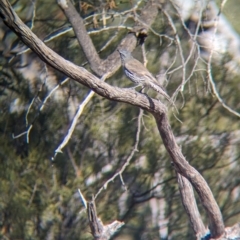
point(139, 74)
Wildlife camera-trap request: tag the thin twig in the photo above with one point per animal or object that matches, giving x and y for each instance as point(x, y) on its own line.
point(209, 69)
point(135, 149)
point(75, 121)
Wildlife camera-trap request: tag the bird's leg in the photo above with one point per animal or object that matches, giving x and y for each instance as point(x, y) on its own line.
point(142, 88)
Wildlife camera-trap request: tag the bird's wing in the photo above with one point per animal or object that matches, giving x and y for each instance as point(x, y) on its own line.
point(140, 70)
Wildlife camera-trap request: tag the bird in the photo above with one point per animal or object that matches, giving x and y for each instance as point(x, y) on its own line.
point(139, 74)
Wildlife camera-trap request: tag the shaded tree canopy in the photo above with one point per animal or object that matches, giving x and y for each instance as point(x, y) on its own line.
point(73, 129)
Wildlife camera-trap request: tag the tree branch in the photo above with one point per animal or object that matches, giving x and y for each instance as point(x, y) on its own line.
point(71, 70)
point(159, 111)
point(190, 206)
point(216, 225)
point(100, 231)
point(112, 63)
point(81, 33)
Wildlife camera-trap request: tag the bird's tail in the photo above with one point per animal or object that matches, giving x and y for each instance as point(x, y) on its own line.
point(160, 90)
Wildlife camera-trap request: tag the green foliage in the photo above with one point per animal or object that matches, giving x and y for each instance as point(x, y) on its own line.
point(39, 198)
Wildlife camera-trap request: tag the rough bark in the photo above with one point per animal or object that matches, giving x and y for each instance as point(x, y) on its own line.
point(158, 109)
point(190, 206)
point(98, 230)
point(110, 65)
point(181, 165)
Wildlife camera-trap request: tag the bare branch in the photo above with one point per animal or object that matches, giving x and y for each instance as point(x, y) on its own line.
point(216, 225)
point(74, 123)
point(71, 70)
point(100, 231)
point(112, 63)
point(209, 71)
point(135, 149)
point(81, 33)
point(190, 206)
point(82, 76)
point(170, 21)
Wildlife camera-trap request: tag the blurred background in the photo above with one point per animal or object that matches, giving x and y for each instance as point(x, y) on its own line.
point(195, 60)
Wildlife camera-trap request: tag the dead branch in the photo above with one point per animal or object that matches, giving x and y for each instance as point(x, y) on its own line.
point(73, 71)
point(112, 63)
point(158, 109)
point(216, 225)
point(81, 33)
point(98, 230)
point(190, 206)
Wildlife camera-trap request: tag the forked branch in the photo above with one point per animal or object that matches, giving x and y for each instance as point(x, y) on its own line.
point(105, 90)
